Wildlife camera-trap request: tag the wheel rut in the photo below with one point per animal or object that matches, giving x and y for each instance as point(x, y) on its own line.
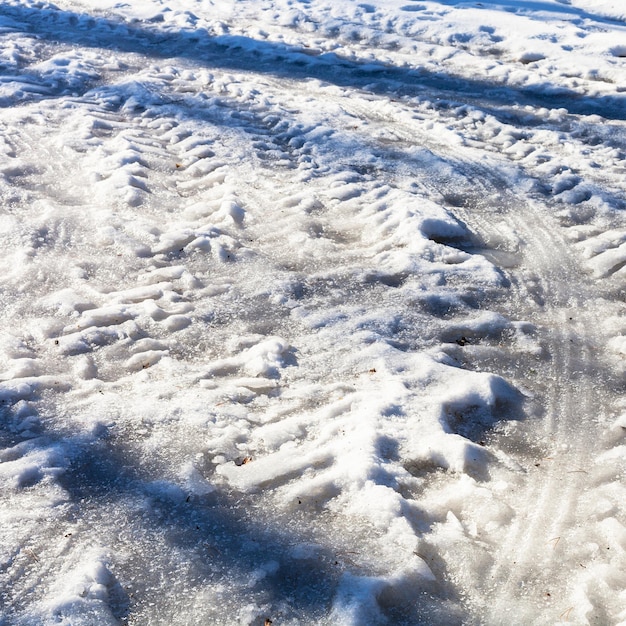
point(557, 447)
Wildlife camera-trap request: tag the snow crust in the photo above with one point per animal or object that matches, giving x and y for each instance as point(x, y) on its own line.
point(313, 312)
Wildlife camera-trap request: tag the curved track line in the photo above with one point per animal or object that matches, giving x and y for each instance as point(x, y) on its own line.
point(527, 570)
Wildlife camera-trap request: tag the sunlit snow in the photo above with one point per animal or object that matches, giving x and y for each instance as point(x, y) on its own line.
point(313, 312)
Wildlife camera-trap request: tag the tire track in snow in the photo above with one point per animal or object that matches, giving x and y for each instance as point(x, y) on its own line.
point(528, 554)
point(527, 577)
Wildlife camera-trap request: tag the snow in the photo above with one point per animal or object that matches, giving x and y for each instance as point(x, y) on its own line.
point(313, 312)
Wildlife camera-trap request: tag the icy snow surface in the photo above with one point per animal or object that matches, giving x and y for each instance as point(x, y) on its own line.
point(312, 312)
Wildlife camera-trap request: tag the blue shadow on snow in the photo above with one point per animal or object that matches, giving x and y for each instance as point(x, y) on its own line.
point(245, 54)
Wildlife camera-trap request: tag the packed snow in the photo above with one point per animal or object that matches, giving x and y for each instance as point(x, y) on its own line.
point(313, 312)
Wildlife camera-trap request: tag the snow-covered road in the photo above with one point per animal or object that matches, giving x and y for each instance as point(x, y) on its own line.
point(313, 312)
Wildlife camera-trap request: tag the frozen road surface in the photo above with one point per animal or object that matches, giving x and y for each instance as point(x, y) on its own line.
point(313, 313)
